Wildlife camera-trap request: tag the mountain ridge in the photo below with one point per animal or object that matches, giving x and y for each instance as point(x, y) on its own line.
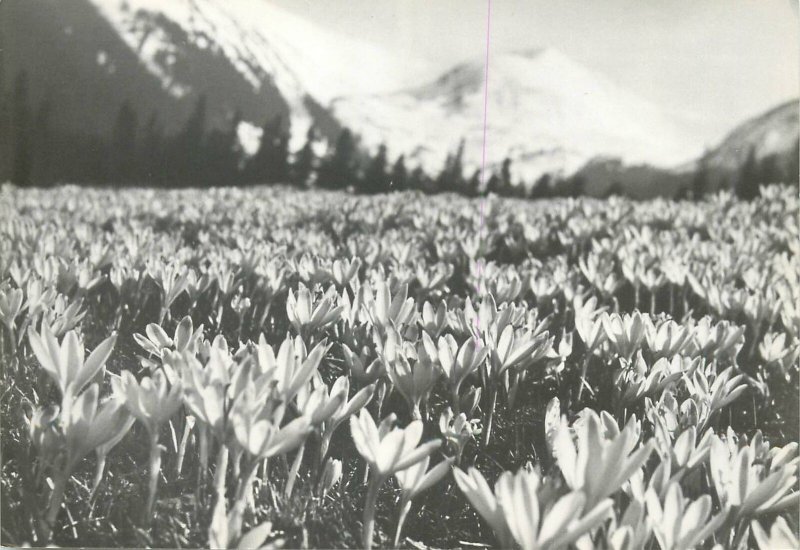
point(547, 113)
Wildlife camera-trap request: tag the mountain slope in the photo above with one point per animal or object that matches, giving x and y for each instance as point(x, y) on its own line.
point(269, 48)
point(246, 57)
point(546, 112)
point(74, 61)
point(774, 133)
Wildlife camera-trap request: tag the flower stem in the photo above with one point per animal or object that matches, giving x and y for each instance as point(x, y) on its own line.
point(375, 483)
point(405, 506)
point(583, 374)
point(187, 430)
point(98, 474)
point(455, 400)
point(672, 300)
point(242, 491)
point(221, 471)
point(155, 468)
point(56, 498)
point(489, 417)
point(202, 464)
point(290, 481)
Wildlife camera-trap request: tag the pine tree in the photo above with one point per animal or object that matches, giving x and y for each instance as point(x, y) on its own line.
point(419, 180)
point(123, 144)
point(451, 178)
point(443, 181)
point(399, 176)
point(701, 180)
point(793, 167)
point(21, 132)
point(474, 184)
point(506, 187)
point(770, 170)
point(186, 161)
point(495, 184)
point(221, 157)
point(577, 186)
point(5, 131)
point(541, 188)
point(375, 179)
point(457, 169)
point(338, 171)
point(748, 182)
point(151, 163)
point(270, 164)
point(43, 145)
point(615, 189)
point(303, 166)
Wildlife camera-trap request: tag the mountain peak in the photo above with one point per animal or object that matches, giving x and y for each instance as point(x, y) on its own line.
point(539, 53)
point(546, 112)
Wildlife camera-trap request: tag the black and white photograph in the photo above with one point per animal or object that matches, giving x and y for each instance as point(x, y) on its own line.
point(418, 274)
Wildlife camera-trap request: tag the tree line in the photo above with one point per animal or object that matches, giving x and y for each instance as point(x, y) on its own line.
point(752, 174)
point(141, 153)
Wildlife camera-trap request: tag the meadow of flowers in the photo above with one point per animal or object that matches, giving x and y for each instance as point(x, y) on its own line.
point(262, 367)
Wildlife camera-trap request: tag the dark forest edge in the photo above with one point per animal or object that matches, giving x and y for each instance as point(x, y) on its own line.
point(34, 153)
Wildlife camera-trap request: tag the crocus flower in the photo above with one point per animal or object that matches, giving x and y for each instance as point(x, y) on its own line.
point(307, 316)
point(87, 425)
point(387, 450)
point(385, 310)
point(156, 342)
point(603, 458)
point(344, 409)
point(666, 338)
point(780, 535)
point(413, 481)
point(589, 324)
point(152, 401)
point(749, 487)
point(625, 332)
point(632, 531)
point(414, 379)
point(457, 430)
point(483, 499)
point(65, 363)
point(679, 522)
point(331, 475)
point(434, 321)
point(11, 301)
point(360, 367)
point(540, 520)
point(292, 367)
point(456, 362)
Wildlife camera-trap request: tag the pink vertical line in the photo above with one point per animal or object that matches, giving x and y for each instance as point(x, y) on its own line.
point(482, 207)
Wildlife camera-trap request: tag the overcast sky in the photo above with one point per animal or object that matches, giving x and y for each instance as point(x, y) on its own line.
point(711, 63)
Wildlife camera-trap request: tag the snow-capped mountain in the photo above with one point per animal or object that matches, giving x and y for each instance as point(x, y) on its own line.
point(545, 112)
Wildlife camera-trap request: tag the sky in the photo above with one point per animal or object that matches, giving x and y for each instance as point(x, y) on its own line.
point(708, 63)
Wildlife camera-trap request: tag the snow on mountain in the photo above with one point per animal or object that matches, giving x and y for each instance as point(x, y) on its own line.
point(265, 44)
point(546, 112)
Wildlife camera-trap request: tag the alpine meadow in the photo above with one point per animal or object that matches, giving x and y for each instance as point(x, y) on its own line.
point(424, 275)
